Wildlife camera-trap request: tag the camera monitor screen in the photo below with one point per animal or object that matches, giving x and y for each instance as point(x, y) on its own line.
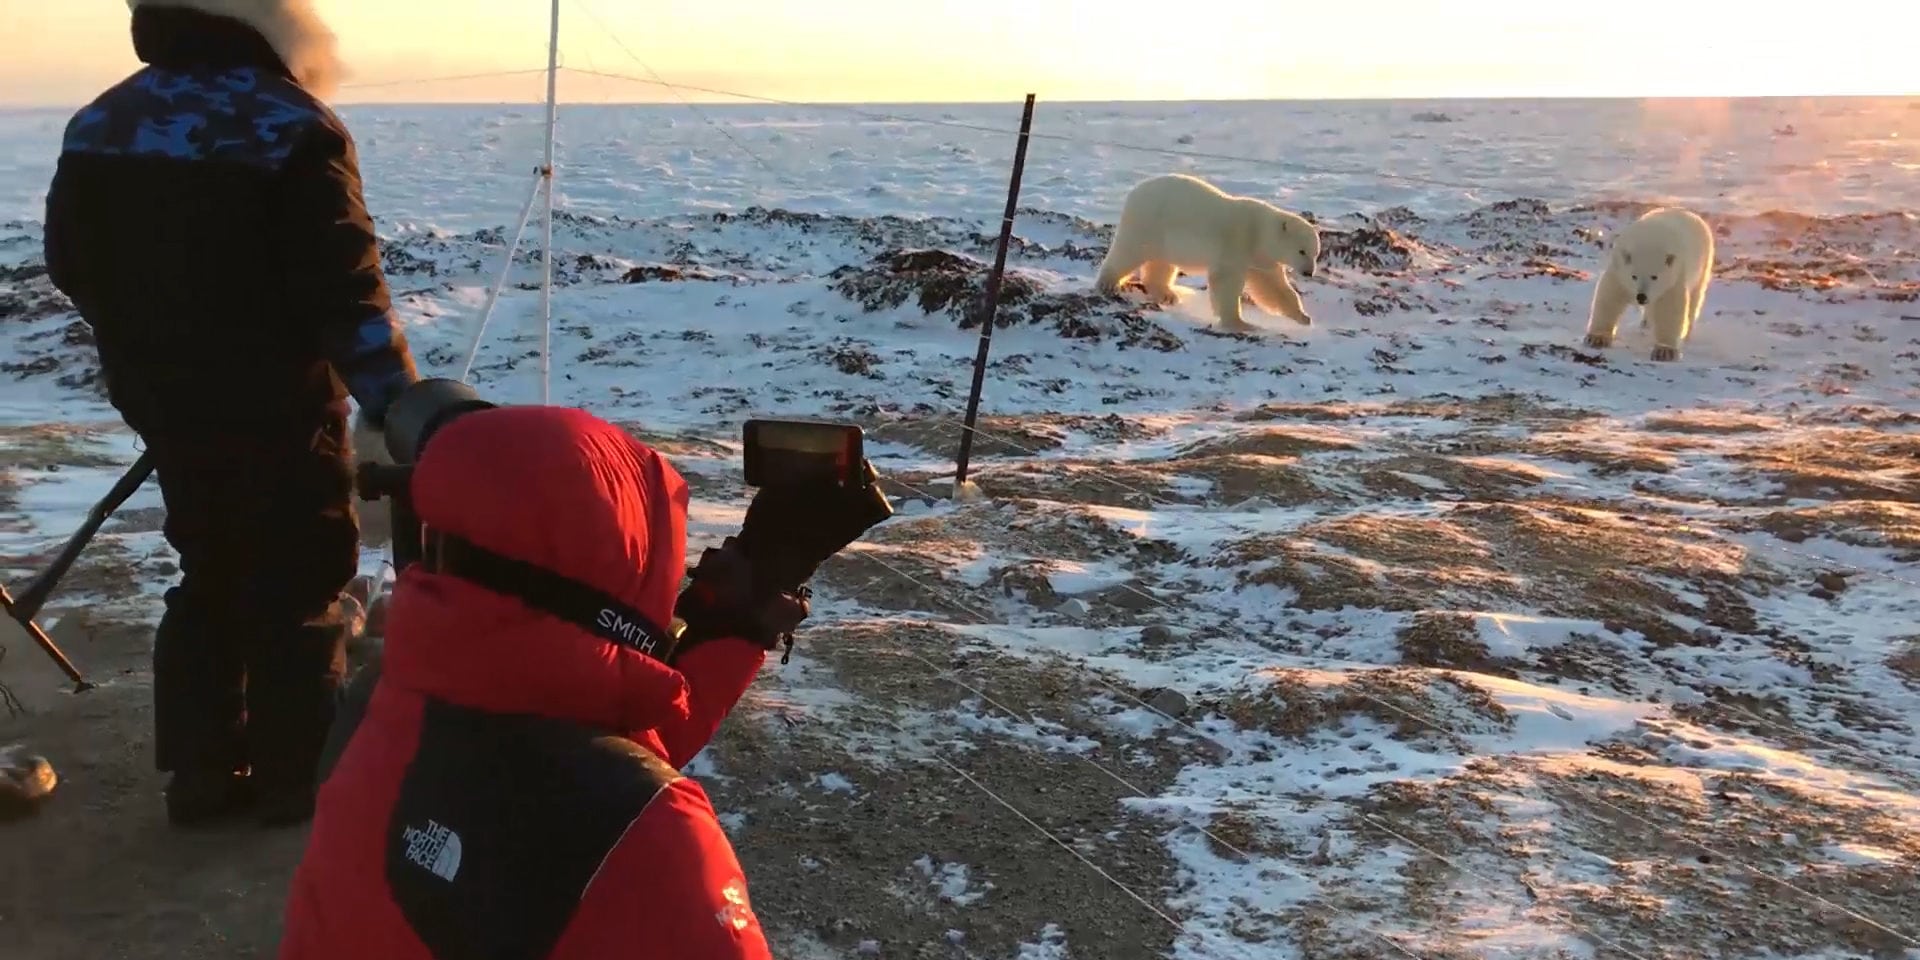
point(798, 451)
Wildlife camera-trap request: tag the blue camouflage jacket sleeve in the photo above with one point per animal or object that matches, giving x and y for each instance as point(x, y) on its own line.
point(335, 282)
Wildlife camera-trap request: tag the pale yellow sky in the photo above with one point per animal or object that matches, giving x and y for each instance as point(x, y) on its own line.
point(59, 52)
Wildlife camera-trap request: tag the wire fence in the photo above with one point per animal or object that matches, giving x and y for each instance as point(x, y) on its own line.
point(613, 35)
point(652, 78)
point(1872, 764)
point(442, 79)
point(649, 77)
point(1427, 720)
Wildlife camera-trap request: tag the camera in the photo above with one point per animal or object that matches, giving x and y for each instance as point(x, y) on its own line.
point(805, 452)
point(802, 451)
point(424, 408)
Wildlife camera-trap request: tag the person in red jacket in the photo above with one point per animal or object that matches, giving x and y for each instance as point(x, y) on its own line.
point(510, 787)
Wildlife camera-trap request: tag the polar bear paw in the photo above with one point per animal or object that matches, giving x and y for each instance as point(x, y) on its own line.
point(1599, 341)
point(1665, 354)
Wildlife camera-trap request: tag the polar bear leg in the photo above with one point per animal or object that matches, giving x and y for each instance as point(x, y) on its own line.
point(1669, 315)
point(1610, 301)
point(1697, 303)
point(1123, 258)
point(1157, 276)
point(1271, 290)
point(1224, 287)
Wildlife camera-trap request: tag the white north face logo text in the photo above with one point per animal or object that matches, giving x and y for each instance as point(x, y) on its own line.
point(436, 848)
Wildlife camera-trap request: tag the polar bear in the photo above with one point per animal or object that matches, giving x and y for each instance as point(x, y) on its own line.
point(1663, 263)
point(1175, 222)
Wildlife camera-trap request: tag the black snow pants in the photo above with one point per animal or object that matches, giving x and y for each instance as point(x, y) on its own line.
point(251, 650)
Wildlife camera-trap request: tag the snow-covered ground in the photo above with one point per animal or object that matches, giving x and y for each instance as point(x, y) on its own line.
point(1424, 631)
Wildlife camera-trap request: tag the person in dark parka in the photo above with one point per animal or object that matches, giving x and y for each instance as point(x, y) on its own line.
point(206, 218)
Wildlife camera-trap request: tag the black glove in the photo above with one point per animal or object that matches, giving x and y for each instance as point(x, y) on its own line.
point(791, 529)
point(754, 586)
point(724, 601)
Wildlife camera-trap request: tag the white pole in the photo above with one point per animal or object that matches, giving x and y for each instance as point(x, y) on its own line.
point(493, 295)
point(546, 249)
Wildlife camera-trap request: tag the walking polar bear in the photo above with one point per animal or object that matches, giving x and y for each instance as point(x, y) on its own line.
point(1174, 222)
point(1661, 262)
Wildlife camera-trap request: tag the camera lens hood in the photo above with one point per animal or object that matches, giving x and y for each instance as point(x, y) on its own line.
point(423, 408)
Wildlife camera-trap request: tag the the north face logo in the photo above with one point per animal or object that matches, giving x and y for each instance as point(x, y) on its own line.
point(436, 848)
point(736, 914)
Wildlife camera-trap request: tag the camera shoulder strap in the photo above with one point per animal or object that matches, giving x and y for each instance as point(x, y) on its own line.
point(549, 592)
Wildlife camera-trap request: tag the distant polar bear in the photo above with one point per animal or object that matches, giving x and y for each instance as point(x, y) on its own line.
point(1175, 222)
point(1662, 262)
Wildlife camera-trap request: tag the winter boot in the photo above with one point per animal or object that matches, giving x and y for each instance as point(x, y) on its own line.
point(198, 798)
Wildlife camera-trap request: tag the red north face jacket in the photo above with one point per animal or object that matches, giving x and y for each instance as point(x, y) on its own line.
point(511, 791)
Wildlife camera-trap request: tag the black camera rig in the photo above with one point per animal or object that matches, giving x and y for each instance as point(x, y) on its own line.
point(412, 420)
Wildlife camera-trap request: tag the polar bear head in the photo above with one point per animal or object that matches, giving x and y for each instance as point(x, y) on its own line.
point(1289, 239)
point(1647, 266)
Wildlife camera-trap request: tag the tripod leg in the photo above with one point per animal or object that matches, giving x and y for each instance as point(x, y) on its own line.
point(45, 643)
point(36, 593)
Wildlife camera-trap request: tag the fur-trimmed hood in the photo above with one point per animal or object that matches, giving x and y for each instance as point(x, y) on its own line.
point(293, 29)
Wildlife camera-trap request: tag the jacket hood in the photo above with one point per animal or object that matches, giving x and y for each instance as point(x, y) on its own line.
point(293, 29)
point(563, 490)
